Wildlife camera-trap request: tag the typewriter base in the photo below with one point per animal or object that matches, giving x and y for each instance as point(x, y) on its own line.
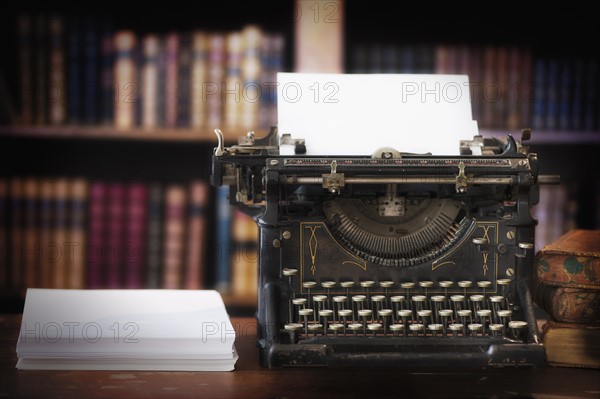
point(396, 352)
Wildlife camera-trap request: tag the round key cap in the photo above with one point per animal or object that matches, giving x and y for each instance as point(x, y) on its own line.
point(289, 272)
point(293, 326)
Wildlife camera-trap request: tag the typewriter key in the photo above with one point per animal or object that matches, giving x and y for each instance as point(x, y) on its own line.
point(445, 314)
point(477, 302)
point(309, 285)
point(397, 304)
point(408, 285)
point(395, 328)
point(367, 285)
point(404, 314)
point(354, 327)
point(386, 285)
point(336, 328)
point(474, 327)
point(465, 284)
point(305, 313)
point(518, 328)
point(347, 285)
point(482, 315)
point(425, 285)
point(314, 328)
point(445, 285)
point(435, 329)
point(344, 313)
point(496, 301)
point(328, 285)
point(465, 318)
point(425, 315)
point(359, 300)
point(496, 329)
point(374, 327)
point(377, 302)
point(455, 328)
point(415, 328)
point(292, 328)
point(437, 301)
point(325, 314)
point(383, 313)
point(504, 283)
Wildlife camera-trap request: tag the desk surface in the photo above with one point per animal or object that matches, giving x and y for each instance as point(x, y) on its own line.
point(251, 381)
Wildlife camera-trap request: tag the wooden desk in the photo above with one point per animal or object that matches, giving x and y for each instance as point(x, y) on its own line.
point(251, 381)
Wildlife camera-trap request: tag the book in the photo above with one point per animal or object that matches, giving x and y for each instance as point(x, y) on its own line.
point(57, 60)
point(154, 240)
point(171, 81)
point(198, 78)
point(173, 235)
point(567, 277)
point(133, 251)
point(74, 71)
point(41, 70)
point(91, 52)
point(114, 238)
point(571, 261)
point(31, 248)
point(46, 230)
point(56, 250)
point(195, 260)
point(75, 245)
point(571, 344)
point(250, 68)
point(568, 304)
point(184, 71)
point(161, 330)
point(149, 81)
point(223, 241)
point(126, 88)
point(107, 85)
point(26, 93)
point(15, 243)
point(215, 79)
point(94, 248)
point(232, 90)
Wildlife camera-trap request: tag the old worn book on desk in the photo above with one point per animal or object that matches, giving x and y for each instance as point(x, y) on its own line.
point(126, 330)
point(567, 277)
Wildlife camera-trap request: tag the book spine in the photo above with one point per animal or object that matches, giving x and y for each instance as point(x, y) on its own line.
point(47, 246)
point(161, 74)
point(198, 194)
point(74, 80)
point(90, 72)
point(564, 95)
point(174, 233)
point(590, 110)
point(232, 89)
point(135, 240)
point(171, 81)
point(540, 92)
point(115, 225)
point(552, 96)
point(568, 305)
point(276, 65)
point(126, 89)
point(31, 247)
point(224, 220)
point(154, 237)
point(198, 79)
point(577, 91)
point(41, 70)
point(25, 35)
point(149, 89)
point(56, 254)
point(56, 87)
point(16, 233)
point(95, 246)
point(76, 239)
point(267, 54)
point(250, 73)
point(216, 75)
point(184, 71)
point(107, 74)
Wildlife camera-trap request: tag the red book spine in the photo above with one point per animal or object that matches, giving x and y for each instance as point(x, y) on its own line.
point(96, 226)
point(135, 244)
point(114, 234)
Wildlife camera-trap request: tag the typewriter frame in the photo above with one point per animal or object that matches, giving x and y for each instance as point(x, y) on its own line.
point(262, 183)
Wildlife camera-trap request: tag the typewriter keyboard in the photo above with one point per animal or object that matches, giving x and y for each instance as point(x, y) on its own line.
point(423, 309)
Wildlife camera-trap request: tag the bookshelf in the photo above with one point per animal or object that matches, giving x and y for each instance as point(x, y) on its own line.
point(181, 153)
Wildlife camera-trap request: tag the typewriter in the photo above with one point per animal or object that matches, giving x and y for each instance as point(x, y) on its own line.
point(390, 259)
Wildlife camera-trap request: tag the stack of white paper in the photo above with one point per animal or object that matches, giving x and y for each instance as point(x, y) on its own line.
point(125, 330)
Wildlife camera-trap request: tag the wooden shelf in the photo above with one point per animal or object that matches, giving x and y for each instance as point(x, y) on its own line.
point(204, 135)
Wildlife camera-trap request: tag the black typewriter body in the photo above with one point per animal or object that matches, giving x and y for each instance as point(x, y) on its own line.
point(390, 259)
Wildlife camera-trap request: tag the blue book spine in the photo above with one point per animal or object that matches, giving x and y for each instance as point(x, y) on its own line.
point(565, 101)
point(106, 75)
point(577, 95)
point(552, 97)
point(539, 95)
point(224, 245)
point(90, 89)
